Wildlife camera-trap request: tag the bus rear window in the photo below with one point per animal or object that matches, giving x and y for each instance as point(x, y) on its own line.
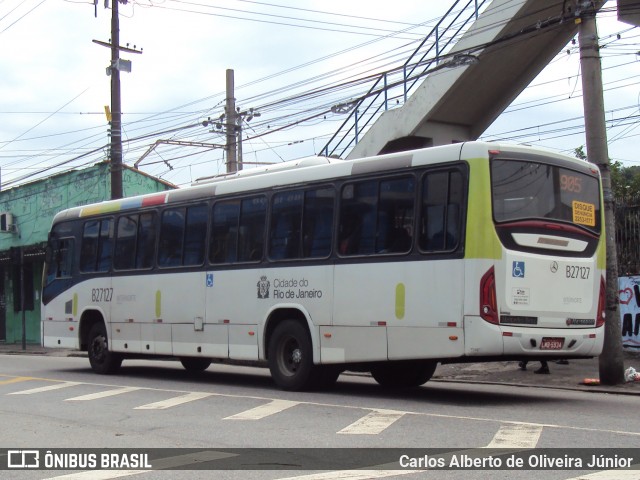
point(529, 190)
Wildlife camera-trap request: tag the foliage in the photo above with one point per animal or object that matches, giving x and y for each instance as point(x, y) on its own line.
point(625, 181)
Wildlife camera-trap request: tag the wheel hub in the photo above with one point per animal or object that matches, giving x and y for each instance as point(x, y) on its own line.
point(296, 356)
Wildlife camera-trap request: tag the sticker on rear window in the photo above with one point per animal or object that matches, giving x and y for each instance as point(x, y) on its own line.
point(584, 213)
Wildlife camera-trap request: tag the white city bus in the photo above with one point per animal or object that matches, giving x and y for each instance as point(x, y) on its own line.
point(390, 264)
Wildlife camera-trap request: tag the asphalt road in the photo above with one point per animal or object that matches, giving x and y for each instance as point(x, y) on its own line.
point(58, 402)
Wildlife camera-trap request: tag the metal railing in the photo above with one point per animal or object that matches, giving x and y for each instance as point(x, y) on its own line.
point(397, 83)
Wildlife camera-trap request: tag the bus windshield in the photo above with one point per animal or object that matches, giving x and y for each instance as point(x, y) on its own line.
point(525, 190)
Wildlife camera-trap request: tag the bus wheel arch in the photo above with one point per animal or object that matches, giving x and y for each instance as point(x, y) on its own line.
point(88, 319)
point(95, 340)
point(279, 315)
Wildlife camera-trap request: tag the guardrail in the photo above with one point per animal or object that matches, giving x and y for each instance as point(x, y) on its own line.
point(397, 83)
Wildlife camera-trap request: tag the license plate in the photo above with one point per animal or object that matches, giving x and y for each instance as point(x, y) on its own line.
point(551, 343)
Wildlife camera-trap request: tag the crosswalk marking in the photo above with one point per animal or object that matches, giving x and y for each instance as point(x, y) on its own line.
point(373, 423)
point(106, 393)
point(15, 380)
point(172, 402)
point(262, 411)
point(47, 388)
point(518, 435)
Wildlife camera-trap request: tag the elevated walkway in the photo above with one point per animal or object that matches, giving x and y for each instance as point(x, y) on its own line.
point(508, 44)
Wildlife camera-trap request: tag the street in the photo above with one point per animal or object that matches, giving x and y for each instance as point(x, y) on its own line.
point(55, 402)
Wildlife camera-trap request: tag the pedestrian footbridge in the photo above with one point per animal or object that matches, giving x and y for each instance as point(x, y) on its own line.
point(478, 58)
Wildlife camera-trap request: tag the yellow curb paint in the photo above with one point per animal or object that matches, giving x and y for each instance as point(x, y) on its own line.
point(15, 380)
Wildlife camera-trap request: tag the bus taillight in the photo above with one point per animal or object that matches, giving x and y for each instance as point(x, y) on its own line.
point(488, 301)
point(602, 303)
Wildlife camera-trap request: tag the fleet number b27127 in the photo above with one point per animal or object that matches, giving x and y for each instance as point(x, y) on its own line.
point(581, 273)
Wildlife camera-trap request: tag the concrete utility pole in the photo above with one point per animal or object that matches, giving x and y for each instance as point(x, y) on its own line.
point(230, 125)
point(116, 108)
point(611, 363)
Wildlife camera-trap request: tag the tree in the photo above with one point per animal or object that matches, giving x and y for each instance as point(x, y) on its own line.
point(625, 181)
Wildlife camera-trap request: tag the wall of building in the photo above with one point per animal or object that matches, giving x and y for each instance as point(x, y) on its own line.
point(32, 207)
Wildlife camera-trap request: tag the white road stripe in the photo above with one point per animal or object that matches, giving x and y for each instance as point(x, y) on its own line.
point(373, 423)
point(98, 395)
point(161, 464)
point(172, 402)
point(518, 435)
point(48, 388)
point(262, 411)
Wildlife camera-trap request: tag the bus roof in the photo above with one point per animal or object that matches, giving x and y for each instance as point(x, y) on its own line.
point(310, 169)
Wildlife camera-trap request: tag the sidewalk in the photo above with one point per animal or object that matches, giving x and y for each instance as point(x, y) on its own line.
point(568, 377)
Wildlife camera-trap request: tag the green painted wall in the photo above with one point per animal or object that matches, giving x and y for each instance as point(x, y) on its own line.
point(33, 207)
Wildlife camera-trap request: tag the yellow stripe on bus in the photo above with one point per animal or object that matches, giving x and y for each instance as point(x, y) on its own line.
point(158, 304)
point(400, 301)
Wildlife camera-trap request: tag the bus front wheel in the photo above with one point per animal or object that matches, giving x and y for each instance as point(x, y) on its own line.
point(403, 374)
point(102, 360)
point(290, 356)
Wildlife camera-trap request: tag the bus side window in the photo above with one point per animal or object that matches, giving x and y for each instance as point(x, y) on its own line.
point(357, 229)
point(125, 245)
point(171, 238)
point(195, 235)
point(61, 258)
point(395, 215)
point(253, 219)
point(442, 195)
point(286, 219)
point(317, 222)
point(146, 241)
point(224, 232)
point(95, 255)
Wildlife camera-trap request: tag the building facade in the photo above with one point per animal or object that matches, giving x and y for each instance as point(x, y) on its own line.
point(26, 213)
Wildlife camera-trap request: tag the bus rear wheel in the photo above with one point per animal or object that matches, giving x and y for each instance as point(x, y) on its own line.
point(403, 374)
point(102, 360)
point(193, 364)
point(291, 357)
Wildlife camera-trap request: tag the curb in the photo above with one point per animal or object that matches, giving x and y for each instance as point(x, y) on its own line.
point(620, 390)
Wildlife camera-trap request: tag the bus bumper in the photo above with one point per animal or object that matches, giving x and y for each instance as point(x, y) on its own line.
point(60, 334)
point(483, 339)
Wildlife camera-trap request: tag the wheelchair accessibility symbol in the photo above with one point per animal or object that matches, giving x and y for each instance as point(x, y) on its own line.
point(518, 269)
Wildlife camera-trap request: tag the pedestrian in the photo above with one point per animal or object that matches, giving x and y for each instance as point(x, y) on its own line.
point(544, 366)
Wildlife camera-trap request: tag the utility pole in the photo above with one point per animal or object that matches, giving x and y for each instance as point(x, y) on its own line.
point(116, 108)
point(611, 362)
point(230, 126)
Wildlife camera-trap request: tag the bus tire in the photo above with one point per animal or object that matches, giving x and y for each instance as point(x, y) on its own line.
point(291, 356)
point(325, 376)
point(403, 374)
point(194, 364)
point(102, 360)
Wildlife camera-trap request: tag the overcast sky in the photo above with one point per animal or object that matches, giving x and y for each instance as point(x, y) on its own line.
point(53, 82)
